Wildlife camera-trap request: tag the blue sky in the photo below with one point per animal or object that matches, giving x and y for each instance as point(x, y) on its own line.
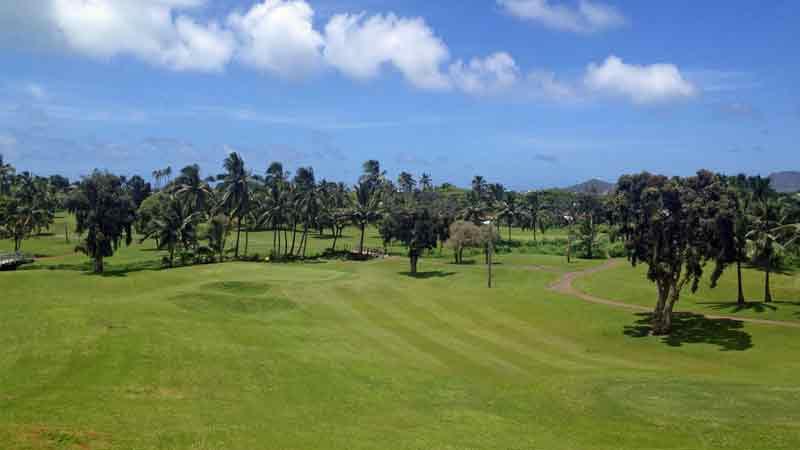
point(530, 93)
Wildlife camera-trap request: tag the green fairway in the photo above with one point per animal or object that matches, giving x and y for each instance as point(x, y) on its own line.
point(361, 356)
point(630, 285)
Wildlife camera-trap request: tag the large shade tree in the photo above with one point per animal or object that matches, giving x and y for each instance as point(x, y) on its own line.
point(105, 213)
point(670, 225)
point(415, 228)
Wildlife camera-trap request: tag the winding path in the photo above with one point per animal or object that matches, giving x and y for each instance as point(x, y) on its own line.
point(564, 286)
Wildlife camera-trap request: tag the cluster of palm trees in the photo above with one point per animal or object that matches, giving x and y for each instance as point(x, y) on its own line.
point(161, 175)
point(191, 209)
point(765, 226)
point(27, 203)
point(192, 217)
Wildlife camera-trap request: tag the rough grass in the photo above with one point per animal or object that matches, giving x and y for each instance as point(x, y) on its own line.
point(361, 356)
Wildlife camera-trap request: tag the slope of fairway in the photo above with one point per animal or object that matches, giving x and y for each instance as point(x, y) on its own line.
point(361, 356)
point(630, 285)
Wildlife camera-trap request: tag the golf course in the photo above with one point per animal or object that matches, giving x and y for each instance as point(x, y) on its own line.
point(399, 225)
point(347, 354)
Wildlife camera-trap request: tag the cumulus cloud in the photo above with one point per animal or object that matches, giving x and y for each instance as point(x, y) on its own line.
point(655, 83)
point(495, 73)
point(152, 30)
point(586, 17)
point(278, 36)
point(359, 46)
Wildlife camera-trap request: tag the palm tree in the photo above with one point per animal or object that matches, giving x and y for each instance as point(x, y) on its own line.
point(306, 203)
point(235, 186)
point(334, 205)
point(190, 187)
point(372, 171)
point(509, 211)
point(479, 187)
point(366, 208)
point(157, 175)
point(764, 239)
point(6, 174)
point(426, 183)
point(216, 233)
point(406, 182)
point(175, 228)
point(475, 209)
point(168, 173)
point(533, 209)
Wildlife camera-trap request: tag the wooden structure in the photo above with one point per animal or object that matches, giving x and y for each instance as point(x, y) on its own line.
point(12, 261)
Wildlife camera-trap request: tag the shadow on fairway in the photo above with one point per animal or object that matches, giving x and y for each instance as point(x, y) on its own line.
point(475, 262)
point(110, 270)
point(428, 275)
point(688, 328)
point(733, 307)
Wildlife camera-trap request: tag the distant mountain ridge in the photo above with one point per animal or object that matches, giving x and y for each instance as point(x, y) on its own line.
point(788, 181)
point(593, 186)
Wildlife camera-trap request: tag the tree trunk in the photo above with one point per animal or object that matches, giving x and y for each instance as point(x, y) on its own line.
point(663, 287)
point(246, 240)
point(569, 246)
point(740, 299)
point(509, 231)
point(361, 245)
point(294, 237)
point(238, 234)
point(534, 231)
point(335, 238)
point(414, 257)
point(98, 264)
point(489, 255)
point(274, 239)
point(767, 292)
point(304, 240)
point(277, 251)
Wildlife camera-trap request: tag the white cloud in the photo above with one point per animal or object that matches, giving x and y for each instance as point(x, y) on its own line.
point(496, 73)
point(641, 84)
point(359, 46)
point(144, 29)
point(587, 17)
point(278, 36)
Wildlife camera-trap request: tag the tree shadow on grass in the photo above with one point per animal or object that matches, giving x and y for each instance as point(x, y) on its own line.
point(428, 275)
point(734, 307)
point(689, 328)
point(121, 270)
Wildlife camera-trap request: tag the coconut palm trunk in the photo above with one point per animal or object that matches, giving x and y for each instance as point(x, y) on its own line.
point(238, 234)
point(361, 245)
point(767, 292)
point(740, 299)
